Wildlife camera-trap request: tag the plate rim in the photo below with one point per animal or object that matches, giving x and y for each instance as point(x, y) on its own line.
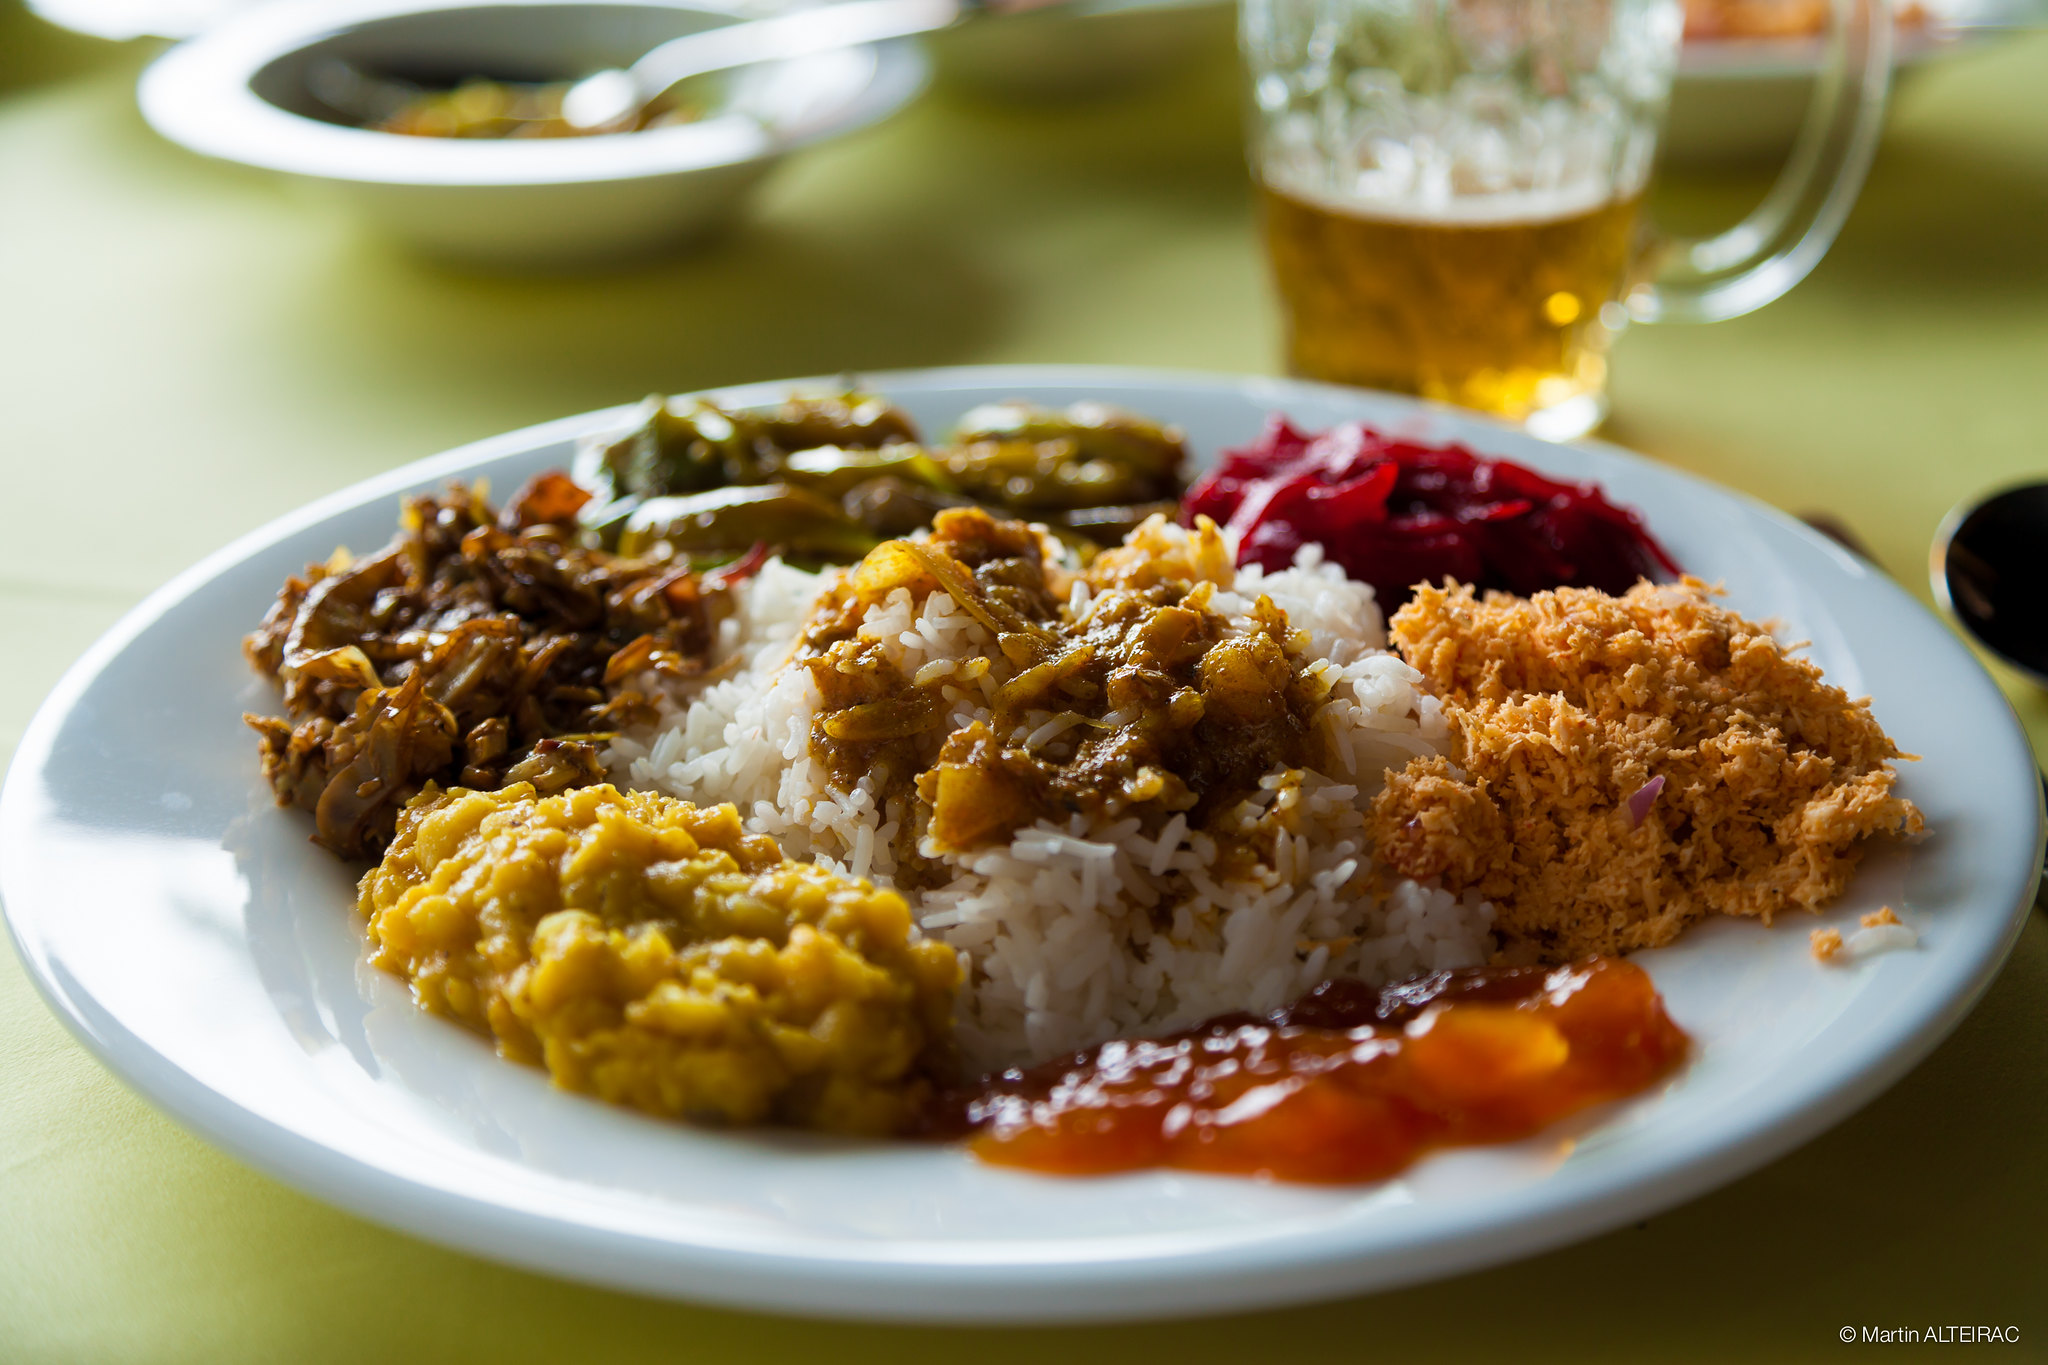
point(1297, 1269)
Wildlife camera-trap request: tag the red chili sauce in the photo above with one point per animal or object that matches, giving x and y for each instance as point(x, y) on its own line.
point(1394, 514)
point(1347, 1084)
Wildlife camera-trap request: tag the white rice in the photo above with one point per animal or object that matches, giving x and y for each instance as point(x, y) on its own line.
point(1075, 934)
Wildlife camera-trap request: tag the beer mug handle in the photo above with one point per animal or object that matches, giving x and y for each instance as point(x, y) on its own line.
point(1706, 279)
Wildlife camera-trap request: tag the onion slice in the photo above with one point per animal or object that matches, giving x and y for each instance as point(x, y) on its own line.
point(1642, 799)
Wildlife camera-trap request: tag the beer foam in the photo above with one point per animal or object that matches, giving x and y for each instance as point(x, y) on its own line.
point(1494, 208)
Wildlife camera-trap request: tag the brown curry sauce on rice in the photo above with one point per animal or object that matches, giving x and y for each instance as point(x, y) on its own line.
point(1173, 712)
point(871, 719)
point(1623, 767)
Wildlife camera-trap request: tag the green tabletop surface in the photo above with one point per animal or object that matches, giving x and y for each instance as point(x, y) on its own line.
point(190, 350)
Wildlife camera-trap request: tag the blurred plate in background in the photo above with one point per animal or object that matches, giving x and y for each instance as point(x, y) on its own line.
point(1741, 99)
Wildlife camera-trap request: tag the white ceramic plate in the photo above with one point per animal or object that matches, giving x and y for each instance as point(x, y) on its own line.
point(187, 931)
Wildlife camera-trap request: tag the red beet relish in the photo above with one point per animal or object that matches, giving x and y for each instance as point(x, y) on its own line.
point(1348, 1084)
point(1394, 514)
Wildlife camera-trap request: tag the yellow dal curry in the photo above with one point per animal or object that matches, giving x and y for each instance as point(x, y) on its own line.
point(655, 954)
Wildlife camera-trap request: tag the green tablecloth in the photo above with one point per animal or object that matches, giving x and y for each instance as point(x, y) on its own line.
point(190, 350)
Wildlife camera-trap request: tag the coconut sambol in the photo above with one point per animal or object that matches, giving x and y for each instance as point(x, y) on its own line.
point(1143, 824)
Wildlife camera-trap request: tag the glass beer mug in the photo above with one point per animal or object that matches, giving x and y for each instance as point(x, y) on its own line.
point(1452, 190)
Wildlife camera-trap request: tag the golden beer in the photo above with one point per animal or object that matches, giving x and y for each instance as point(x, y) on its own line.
point(1500, 315)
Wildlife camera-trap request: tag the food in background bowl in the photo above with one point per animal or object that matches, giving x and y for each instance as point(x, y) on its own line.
point(481, 108)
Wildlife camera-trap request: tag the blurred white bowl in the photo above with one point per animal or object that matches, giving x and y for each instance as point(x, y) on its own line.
point(239, 92)
point(1093, 47)
point(122, 20)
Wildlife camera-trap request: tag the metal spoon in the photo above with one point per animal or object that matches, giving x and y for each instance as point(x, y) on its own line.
point(1989, 566)
point(1945, 554)
point(611, 100)
point(615, 95)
